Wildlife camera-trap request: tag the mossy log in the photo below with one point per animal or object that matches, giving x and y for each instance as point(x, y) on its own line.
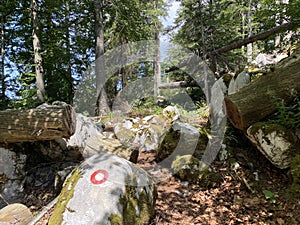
point(16, 214)
point(44, 123)
point(258, 100)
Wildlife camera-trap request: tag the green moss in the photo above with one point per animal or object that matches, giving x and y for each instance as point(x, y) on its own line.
point(137, 211)
point(115, 219)
point(269, 128)
point(187, 168)
point(65, 196)
point(3, 179)
point(293, 192)
point(168, 145)
point(146, 205)
point(295, 169)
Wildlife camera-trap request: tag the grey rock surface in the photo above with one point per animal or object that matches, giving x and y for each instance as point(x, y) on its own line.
point(12, 176)
point(85, 129)
point(106, 189)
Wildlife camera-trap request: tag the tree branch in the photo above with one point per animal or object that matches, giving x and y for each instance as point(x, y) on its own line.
point(260, 36)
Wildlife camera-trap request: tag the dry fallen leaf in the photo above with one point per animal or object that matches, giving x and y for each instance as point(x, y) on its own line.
point(280, 221)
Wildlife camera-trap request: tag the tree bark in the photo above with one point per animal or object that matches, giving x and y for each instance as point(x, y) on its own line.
point(178, 84)
point(257, 100)
point(38, 60)
point(45, 123)
point(69, 52)
point(102, 102)
point(249, 26)
point(15, 214)
point(3, 84)
point(157, 66)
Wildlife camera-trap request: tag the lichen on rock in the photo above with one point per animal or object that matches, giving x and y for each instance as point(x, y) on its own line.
point(189, 168)
point(65, 196)
point(138, 205)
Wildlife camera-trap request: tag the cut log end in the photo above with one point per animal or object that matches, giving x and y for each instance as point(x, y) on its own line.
point(234, 115)
point(16, 214)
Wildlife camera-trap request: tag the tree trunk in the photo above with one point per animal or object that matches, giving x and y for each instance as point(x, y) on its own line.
point(249, 25)
point(277, 23)
point(157, 67)
point(69, 66)
point(38, 60)
point(3, 84)
point(44, 123)
point(257, 100)
point(102, 102)
point(178, 84)
point(260, 36)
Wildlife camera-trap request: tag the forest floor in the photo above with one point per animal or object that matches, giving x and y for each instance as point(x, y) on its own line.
point(247, 189)
point(235, 198)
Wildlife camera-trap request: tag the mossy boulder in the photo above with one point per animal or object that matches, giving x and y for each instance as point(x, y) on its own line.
point(144, 132)
point(189, 168)
point(182, 139)
point(106, 189)
point(293, 191)
point(101, 144)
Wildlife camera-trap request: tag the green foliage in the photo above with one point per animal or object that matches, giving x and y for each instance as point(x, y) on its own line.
point(147, 106)
point(287, 115)
point(270, 195)
point(208, 25)
point(67, 39)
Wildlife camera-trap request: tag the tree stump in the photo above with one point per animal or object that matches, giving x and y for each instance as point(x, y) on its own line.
point(43, 123)
point(15, 214)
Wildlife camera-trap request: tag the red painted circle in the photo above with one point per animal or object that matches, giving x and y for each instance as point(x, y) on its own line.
point(94, 180)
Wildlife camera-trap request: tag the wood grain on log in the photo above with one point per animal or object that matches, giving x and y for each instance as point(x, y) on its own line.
point(258, 100)
point(46, 123)
point(178, 84)
point(16, 214)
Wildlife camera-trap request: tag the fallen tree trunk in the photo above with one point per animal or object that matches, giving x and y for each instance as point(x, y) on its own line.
point(260, 36)
point(257, 100)
point(178, 84)
point(45, 123)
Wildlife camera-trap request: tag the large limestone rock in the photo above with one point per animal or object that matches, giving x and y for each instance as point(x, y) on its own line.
point(146, 132)
point(193, 170)
point(277, 143)
point(182, 139)
point(101, 144)
point(85, 129)
point(106, 190)
point(189, 168)
point(12, 176)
